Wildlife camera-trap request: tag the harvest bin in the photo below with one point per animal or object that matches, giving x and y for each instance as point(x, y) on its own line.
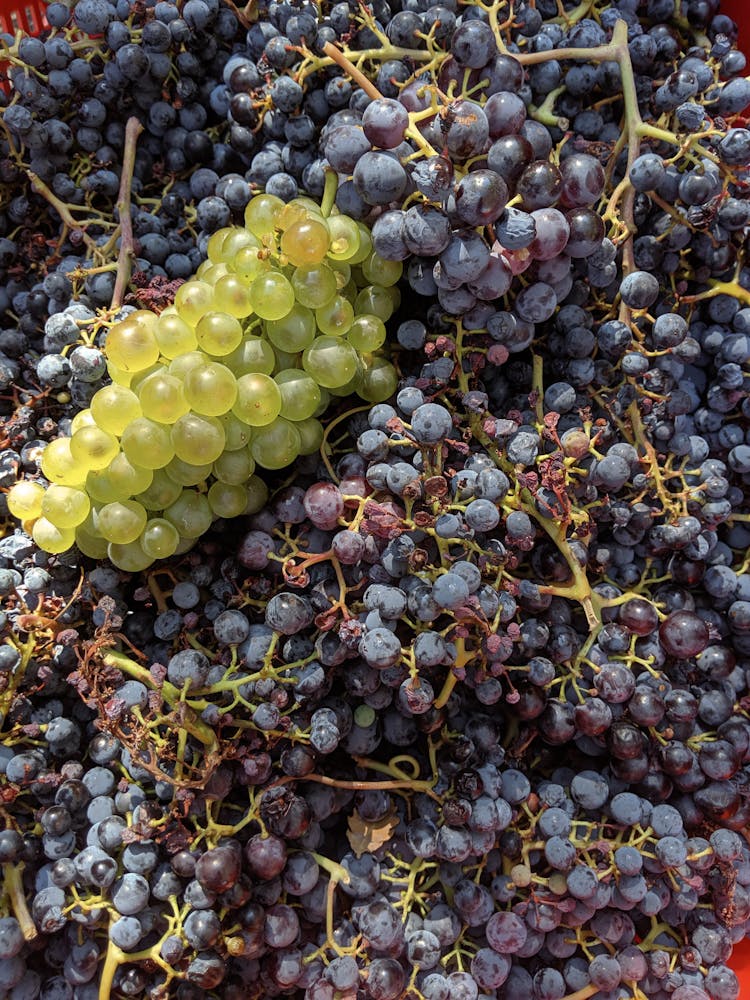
point(30, 17)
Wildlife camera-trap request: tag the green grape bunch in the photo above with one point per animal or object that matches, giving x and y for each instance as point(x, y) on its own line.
point(285, 313)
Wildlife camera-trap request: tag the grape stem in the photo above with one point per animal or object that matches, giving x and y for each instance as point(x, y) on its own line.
point(13, 886)
point(127, 247)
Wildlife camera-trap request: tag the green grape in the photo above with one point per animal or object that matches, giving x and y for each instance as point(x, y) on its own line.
point(186, 474)
point(179, 367)
point(345, 237)
point(335, 318)
point(311, 436)
point(173, 335)
point(60, 466)
point(210, 389)
point(258, 399)
point(300, 394)
point(130, 557)
point(376, 270)
point(284, 360)
point(227, 500)
point(93, 447)
point(236, 432)
point(184, 545)
point(131, 344)
point(101, 489)
point(211, 273)
point(234, 467)
point(147, 443)
point(139, 378)
point(331, 361)
point(84, 418)
point(379, 381)
point(218, 333)
point(162, 492)
point(305, 242)
point(272, 295)
point(237, 237)
point(294, 332)
point(253, 355)
point(308, 205)
point(190, 514)
point(232, 296)
point(25, 499)
point(367, 333)
point(261, 214)
point(197, 439)
point(113, 407)
point(216, 242)
point(160, 538)
point(128, 477)
point(65, 506)
point(162, 397)
point(342, 272)
point(365, 245)
point(276, 445)
point(376, 300)
point(249, 263)
point(352, 386)
point(50, 538)
point(193, 299)
point(314, 285)
point(325, 399)
point(91, 545)
point(118, 376)
point(122, 522)
point(257, 495)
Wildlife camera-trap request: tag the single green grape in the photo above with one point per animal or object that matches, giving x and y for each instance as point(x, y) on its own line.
point(276, 445)
point(258, 399)
point(253, 355)
point(197, 439)
point(311, 435)
point(90, 544)
point(377, 300)
point(147, 443)
point(179, 367)
point(160, 538)
point(25, 499)
point(261, 214)
point(93, 447)
point(174, 335)
point(314, 285)
point(300, 394)
point(367, 333)
point(376, 270)
point(331, 361)
point(59, 465)
point(272, 295)
point(226, 499)
point(193, 300)
point(50, 538)
point(65, 506)
point(130, 557)
point(335, 318)
point(84, 418)
point(231, 296)
point(257, 495)
point(218, 333)
point(236, 432)
point(186, 474)
point(294, 332)
point(305, 242)
point(210, 389)
point(190, 514)
point(379, 381)
point(249, 263)
point(162, 492)
point(113, 407)
point(122, 522)
point(234, 467)
point(345, 237)
point(131, 344)
point(365, 245)
point(162, 398)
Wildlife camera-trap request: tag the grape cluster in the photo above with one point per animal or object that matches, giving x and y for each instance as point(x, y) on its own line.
point(197, 391)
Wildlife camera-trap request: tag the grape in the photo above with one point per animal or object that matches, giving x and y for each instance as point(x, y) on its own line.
point(218, 333)
point(64, 506)
point(195, 438)
point(294, 332)
point(147, 443)
point(314, 285)
point(258, 401)
point(190, 514)
point(330, 361)
point(131, 344)
point(122, 522)
point(210, 389)
point(113, 407)
point(174, 335)
point(93, 448)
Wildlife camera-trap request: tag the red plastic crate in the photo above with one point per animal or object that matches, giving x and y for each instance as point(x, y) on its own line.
point(28, 17)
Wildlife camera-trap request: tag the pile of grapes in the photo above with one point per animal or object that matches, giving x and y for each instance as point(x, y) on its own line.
point(376, 483)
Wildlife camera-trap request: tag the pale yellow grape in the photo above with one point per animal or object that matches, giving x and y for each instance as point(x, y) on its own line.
point(257, 495)
point(300, 394)
point(210, 389)
point(314, 285)
point(215, 243)
point(127, 476)
point(331, 361)
point(258, 399)
point(174, 335)
point(122, 522)
point(139, 378)
point(162, 397)
point(25, 498)
point(261, 214)
point(292, 214)
point(379, 381)
point(305, 242)
point(232, 296)
point(227, 500)
point(211, 273)
point(311, 436)
point(187, 474)
point(179, 367)
point(325, 399)
point(253, 355)
point(60, 466)
point(93, 447)
point(131, 345)
point(294, 332)
point(190, 514)
point(342, 272)
point(113, 407)
point(234, 467)
point(236, 432)
point(101, 489)
point(91, 545)
point(379, 271)
point(250, 262)
point(193, 300)
point(365, 245)
point(277, 445)
point(147, 443)
point(161, 493)
point(345, 238)
point(160, 538)
point(367, 333)
point(118, 376)
point(130, 558)
point(84, 418)
point(197, 439)
point(50, 538)
point(237, 238)
point(272, 295)
point(310, 206)
point(335, 318)
point(218, 333)
point(65, 506)
point(377, 300)
point(352, 386)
